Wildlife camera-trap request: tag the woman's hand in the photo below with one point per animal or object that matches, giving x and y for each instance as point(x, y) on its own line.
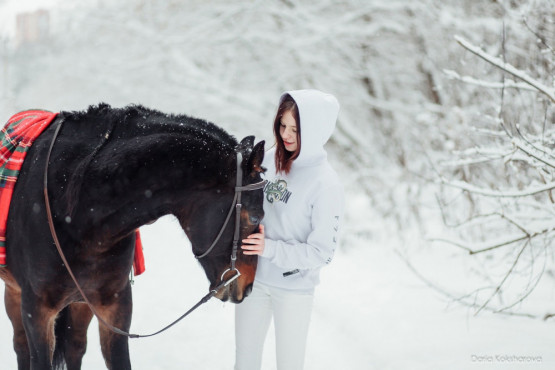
point(254, 243)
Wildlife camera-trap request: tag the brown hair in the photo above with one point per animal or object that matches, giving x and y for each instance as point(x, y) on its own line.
point(283, 158)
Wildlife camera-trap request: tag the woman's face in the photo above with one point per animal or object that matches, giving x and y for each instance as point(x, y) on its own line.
point(288, 131)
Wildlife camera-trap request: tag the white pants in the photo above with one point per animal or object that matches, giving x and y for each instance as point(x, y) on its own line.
point(291, 311)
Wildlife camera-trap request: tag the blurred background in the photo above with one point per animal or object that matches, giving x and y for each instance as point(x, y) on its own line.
point(445, 152)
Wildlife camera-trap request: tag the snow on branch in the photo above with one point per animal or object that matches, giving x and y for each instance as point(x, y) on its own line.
point(493, 85)
point(533, 152)
point(495, 245)
point(549, 92)
point(484, 155)
point(498, 193)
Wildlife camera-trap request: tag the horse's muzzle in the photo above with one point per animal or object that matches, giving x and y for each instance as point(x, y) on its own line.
point(233, 293)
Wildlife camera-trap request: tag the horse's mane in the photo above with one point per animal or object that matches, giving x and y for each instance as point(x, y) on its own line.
point(177, 122)
point(150, 121)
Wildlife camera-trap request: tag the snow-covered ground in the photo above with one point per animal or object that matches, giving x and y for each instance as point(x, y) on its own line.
point(228, 62)
point(370, 313)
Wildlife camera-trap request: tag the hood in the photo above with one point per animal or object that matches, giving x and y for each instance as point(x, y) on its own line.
point(318, 114)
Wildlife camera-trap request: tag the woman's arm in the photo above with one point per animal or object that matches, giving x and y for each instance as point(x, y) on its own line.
point(327, 214)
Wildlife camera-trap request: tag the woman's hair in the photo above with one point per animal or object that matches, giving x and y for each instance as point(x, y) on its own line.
point(283, 158)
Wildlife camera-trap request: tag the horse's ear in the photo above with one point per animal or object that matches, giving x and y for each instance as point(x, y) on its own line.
point(247, 143)
point(256, 158)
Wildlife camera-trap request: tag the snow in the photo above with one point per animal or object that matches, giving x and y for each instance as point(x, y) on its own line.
point(228, 62)
point(370, 312)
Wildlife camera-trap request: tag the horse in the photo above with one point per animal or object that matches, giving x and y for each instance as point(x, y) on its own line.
point(110, 171)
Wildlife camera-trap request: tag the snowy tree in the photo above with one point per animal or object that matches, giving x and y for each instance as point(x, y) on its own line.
point(496, 187)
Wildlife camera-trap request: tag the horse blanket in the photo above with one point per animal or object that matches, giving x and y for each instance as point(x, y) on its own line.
point(17, 136)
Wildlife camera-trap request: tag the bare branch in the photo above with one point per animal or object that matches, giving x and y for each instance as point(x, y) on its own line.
point(529, 290)
point(486, 155)
point(492, 85)
point(481, 250)
point(498, 193)
point(515, 239)
point(549, 92)
point(463, 299)
point(539, 37)
point(498, 288)
point(532, 150)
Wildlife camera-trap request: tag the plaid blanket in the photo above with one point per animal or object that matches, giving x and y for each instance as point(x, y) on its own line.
point(17, 136)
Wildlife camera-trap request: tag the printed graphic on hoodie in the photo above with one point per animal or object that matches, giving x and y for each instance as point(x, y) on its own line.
point(277, 191)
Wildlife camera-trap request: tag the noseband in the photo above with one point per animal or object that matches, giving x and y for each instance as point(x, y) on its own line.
point(236, 204)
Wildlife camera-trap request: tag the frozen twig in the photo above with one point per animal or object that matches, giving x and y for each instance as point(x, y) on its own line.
point(530, 289)
point(471, 251)
point(492, 85)
point(498, 288)
point(532, 150)
point(485, 157)
point(515, 239)
point(547, 91)
point(538, 36)
point(498, 193)
point(463, 299)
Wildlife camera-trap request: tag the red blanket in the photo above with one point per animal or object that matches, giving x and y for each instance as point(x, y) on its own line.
point(17, 136)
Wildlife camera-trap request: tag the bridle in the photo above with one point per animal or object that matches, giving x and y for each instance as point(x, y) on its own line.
point(236, 204)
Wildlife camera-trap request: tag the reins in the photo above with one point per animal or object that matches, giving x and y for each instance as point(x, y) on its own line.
point(236, 204)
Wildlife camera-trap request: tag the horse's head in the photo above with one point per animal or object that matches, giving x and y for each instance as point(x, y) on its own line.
point(210, 218)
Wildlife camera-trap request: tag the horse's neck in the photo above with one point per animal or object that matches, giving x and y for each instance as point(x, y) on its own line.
point(136, 179)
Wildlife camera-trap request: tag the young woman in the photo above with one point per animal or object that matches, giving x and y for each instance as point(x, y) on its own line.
point(303, 205)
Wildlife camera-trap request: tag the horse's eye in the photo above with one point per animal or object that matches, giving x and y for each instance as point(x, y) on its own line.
point(254, 219)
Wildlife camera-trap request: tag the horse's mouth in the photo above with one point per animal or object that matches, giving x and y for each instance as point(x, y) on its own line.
point(226, 294)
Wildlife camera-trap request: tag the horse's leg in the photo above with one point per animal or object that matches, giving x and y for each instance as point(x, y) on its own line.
point(115, 348)
point(80, 317)
point(12, 300)
point(38, 320)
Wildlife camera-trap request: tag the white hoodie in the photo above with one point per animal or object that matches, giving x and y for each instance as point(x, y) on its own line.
point(303, 210)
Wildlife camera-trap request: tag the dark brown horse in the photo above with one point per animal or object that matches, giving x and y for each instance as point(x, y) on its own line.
point(111, 171)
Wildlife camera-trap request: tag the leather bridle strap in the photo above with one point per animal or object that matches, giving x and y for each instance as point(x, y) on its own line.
point(238, 207)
